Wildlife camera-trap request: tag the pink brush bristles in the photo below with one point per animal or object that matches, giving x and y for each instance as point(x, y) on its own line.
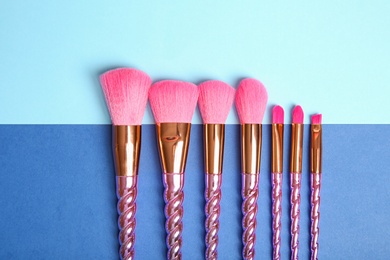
point(251, 101)
point(126, 93)
point(215, 101)
point(297, 117)
point(277, 115)
point(173, 101)
point(316, 119)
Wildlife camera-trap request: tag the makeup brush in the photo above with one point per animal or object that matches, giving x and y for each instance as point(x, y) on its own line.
point(295, 177)
point(251, 101)
point(126, 93)
point(315, 179)
point(215, 101)
point(277, 178)
point(173, 104)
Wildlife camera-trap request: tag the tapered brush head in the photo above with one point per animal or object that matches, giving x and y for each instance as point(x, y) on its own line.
point(297, 116)
point(316, 119)
point(126, 93)
point(277, 115)
point(215, 101)
point(173, 101)
point(251, 101)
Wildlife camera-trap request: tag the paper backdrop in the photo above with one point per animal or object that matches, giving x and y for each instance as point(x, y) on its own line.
point(57, 191)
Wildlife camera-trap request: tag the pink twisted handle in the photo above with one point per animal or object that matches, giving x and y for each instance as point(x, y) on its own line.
point(174, 196)
point(276, 213)
point(315, 213)
point(126, 188)
point(295, 200)
point(213, 198)
point(250, 193)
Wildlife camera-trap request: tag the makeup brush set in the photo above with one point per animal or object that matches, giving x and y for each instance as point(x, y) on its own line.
point(173, 104)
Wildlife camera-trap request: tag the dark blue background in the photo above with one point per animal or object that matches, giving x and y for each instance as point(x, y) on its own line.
point(57, 195)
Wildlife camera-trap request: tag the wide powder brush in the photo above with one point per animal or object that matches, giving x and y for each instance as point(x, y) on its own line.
point(126, 93)
point(251, 101)
point(215, 101)
point(173, 104)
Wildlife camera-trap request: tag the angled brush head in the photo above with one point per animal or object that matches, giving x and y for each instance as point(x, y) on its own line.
point(126, 93)
point(277, 115)
point(297, 117)
point(173, 101)
point(251, 101)
point(215, 101)
point(316, 119)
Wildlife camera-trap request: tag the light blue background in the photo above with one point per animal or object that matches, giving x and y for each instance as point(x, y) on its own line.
point(329, 56)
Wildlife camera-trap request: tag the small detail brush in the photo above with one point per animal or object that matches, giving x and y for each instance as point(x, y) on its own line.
point(173, 104)
point(251, 101)
point(277, 178)
point(126, 93)
point(315, 177)
point(215, 101)
point(295, 177)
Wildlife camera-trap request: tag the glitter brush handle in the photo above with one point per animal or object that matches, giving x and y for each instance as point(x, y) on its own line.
point(276, 214)
point(315, 213)
point(295, 200)
point(213, 199)
point(250, 193)
point(126, 188)
point(174, 196)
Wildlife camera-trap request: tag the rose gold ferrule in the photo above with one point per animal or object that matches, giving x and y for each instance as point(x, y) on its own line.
point(277, 148)
point(126, 144)
point(214, 135)
point(173, 140)
point(251, 148)
point(296, 148)
point(316, 149)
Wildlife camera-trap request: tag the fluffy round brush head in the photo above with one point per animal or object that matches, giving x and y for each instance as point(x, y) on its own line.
point(215, 101)
point(277, 115)
point(251, 101)
point(297, 117)
point(316, 119)
point(126, 93)
point(173, 101)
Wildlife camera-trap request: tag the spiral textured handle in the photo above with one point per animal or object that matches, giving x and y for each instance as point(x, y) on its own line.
point(276, 214)
point(174, 196)
point(315, 213)
point(126, 188)
point(213, 196)
point(295, 200)
point(250, 193)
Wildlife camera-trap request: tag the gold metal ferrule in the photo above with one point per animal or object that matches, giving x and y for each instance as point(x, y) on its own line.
point(316, 149)
point(296, 148)
point(214, 136)
point(173, 140)
point(126, 146)
point(251, 148)
point(277, 148)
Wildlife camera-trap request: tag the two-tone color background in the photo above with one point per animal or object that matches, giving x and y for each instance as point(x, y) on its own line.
point(57, 190)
